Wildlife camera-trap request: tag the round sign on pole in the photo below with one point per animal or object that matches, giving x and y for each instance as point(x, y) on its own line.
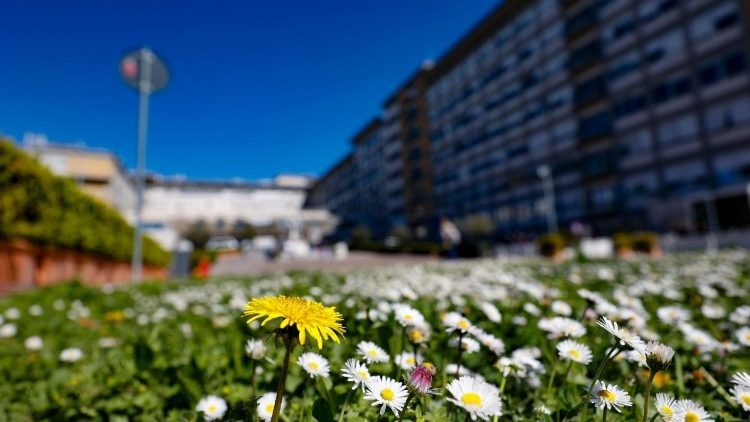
point(133, 68)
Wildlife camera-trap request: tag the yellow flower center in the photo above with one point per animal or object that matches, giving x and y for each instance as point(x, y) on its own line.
point(607, 395)
point(313, 366)
point(408, 317)
point(372, 352)
point(463, 324)
point(410, 361)
point(667, 410)
point(387, 394)
point(692, 417)
point(416, 336)
point(211, 408)
point(575, 354)
point(745, 399)
point(269, 408)
point(363, 374)
point(471, 399)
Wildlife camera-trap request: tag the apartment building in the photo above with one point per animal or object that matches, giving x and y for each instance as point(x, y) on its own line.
point(640, 108)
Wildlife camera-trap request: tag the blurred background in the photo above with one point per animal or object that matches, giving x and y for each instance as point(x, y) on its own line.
point(335, 134)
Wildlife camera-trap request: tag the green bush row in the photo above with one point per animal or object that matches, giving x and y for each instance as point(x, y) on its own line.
point(50, 210)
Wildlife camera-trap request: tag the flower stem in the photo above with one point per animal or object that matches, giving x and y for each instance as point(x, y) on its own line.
point(646, 395)
point(346, 402)
point(406, 406)
point(604, 414)
point(252, 378)
point(585, 409)
point(460, 352)
point(551, 378)
point(567, 371)
point(282, 384)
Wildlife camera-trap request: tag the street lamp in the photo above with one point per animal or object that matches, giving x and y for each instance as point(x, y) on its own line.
point(545, 174)
point(145, 72)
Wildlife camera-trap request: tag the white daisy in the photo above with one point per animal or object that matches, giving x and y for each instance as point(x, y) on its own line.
point(665, 405)
point(625, 336)
point(574, 351)
point(8, 330)
point(71, 354)
point(475, 396)
point(386, 392)
point(418, 335)
point(356, 372)
point(266, 403)
point(742, 396)
point(455, 321)
point(743, 336)
point(314, 364)
point(672, 314)
point(408, 316)
point(107, 342)
point(561, 327)
point(33, 344)
point(406, 360)
point(609, 396)
point(469, 345)
point(561, 308)
point(491, 312)
point(658, 355)
point(371, 352)
point(212, 407)
point(690, 411)
point(742, 379)
point(256, 349)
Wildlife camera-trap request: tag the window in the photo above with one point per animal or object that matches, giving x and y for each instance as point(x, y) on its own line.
point(651, 10)
point(630, 105)
point(585, 55)
point(603, 196)
point(671, 89)
point(678, 130)
point(637, 143)
point(621, 28)
point(595, 126)
point(583, 20)
point(591, 89)
point(728, 115)
point(671, 43)
point(714, 21)
point(720, 68)
point(624, 66)
point(685, 176)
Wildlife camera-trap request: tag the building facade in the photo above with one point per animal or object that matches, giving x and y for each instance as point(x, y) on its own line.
point(640, 108)
point(97, 172)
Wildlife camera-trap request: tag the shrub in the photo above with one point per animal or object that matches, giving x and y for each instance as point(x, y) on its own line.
point(50, 210)
point(551, 244)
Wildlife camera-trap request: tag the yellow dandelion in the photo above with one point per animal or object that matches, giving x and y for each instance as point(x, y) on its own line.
point(308, 316)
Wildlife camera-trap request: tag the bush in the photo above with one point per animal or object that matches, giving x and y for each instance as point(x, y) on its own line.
point(551, 244)
point(50, 210)
point(643, 242)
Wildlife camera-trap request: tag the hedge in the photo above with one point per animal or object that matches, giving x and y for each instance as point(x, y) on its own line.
point(51, 210)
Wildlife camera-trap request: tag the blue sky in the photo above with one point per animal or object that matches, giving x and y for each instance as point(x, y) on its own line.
point(258, 87)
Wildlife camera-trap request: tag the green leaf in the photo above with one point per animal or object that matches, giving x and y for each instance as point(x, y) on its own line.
point(321, 411)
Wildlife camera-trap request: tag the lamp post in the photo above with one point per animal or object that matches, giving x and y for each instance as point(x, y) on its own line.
point(145, 72)
point(548, 186)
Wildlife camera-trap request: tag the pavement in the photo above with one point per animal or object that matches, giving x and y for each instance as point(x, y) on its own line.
point(242, 265)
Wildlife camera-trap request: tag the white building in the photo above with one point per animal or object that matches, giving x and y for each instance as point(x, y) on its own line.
point(220, 205)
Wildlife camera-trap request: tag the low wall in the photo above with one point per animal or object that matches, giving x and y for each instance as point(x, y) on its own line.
point(24, 264)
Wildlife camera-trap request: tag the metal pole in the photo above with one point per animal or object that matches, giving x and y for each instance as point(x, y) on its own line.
point(145, 90)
